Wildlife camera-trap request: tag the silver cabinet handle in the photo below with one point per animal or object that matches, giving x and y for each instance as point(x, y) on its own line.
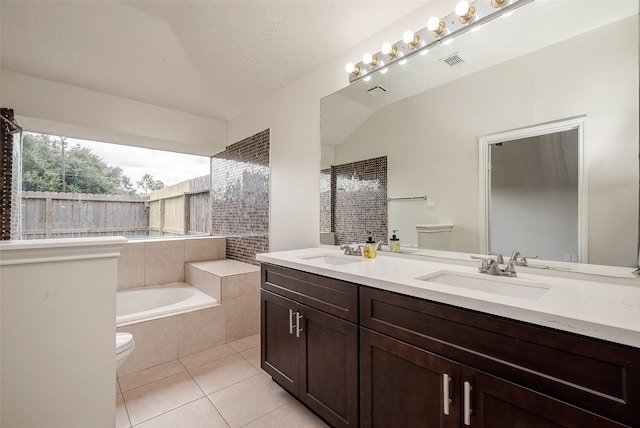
point(467, 403)
point(290, 321)
point(298, 329)
point(446, 398)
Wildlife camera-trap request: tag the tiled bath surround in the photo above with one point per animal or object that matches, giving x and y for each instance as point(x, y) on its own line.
point(240, 197)
point(199, 261)
point(161, 261)
point(358, 200)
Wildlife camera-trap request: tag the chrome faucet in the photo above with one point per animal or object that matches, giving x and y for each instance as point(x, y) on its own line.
point(491, 266)
point(519, 259)
point(349, 251)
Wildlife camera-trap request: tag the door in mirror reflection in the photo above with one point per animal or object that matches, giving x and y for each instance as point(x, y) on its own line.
point(533, 196)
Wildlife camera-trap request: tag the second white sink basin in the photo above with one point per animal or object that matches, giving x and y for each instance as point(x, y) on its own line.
point(336, 260)
point(514, 287)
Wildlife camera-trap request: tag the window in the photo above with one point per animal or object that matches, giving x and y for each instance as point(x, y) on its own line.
point(78, 188)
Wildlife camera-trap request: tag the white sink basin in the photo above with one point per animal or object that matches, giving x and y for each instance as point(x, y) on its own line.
point(514, 287)
point(335, 260)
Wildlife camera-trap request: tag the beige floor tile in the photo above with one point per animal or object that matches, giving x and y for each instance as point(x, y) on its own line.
point(253, 356)
point(206, 356)
point(143, 377)
point(249, 400)
point(197, 414)
point(122, 418)
point(292, 414)
point(221, 373)
point(245, 343)
point(161, 396)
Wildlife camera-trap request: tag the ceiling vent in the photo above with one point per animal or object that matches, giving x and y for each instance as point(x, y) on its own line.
point(453, 60)
point(376, 90)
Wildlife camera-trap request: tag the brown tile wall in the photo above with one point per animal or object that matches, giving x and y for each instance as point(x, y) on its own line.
point(240, 197)
point(326, 222)
point(360, 200)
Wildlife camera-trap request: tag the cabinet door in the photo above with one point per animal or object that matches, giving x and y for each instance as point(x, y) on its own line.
point(405, 386)
point(280, 346)
point(492, 402)
point(329, 380)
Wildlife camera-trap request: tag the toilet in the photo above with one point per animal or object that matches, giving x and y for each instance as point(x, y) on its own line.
point(124, 347)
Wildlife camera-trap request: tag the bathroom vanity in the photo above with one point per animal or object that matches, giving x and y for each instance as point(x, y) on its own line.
point(404, 342)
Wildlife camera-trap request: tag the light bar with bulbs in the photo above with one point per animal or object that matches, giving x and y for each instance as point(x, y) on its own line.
point(438, 30)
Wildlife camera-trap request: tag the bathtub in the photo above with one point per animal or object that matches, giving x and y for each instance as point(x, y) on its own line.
point(152, 302)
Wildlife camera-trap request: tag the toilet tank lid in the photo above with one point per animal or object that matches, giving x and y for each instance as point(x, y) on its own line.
point(123, 341)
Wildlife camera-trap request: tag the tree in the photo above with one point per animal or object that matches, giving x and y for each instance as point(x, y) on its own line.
point(47, 161)
point(148, 184)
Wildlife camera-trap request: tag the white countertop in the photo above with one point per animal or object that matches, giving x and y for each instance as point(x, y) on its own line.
point(598, 309)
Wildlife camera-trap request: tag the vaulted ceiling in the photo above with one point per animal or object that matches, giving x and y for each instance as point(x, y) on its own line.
point(211, 58)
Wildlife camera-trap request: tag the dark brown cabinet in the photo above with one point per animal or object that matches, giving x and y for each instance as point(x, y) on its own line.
point(492, 402)
point(361, 356)
point(402, 385)
point(405, 386)
point(310, 353)
point(502, 373)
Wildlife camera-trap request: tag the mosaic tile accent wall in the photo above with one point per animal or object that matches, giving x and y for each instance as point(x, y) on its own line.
point(360, 201)
point(326, 222)
point(240, 197)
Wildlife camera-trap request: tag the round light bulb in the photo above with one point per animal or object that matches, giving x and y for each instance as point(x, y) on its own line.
point(367, 58)
point(462, 8)
point(433, 23)
point(408, 36)
point(386, 48)
point(350, 67)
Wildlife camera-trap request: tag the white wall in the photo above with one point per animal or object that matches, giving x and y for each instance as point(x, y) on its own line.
point(442, 161)
point(58, 332)
point(50, 107)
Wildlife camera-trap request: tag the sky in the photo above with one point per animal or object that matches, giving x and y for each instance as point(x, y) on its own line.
point(168, 167)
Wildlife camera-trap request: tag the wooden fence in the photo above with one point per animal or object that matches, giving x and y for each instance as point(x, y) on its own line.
point(72, 215)
point(181, 209)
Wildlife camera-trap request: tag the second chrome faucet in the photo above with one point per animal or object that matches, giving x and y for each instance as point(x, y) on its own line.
point(491, 266)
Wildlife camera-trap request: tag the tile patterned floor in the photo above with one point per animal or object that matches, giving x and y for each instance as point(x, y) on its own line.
point(222, 387)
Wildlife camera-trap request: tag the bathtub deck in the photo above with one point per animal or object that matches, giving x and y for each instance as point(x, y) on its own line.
point(224, 268)
point(218, 387)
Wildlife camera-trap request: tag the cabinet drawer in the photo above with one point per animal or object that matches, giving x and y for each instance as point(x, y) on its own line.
point(595, 375)
point(329, 295)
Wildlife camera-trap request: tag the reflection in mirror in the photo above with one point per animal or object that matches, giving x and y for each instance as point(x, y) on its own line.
point(532, 197)
point(511, 76)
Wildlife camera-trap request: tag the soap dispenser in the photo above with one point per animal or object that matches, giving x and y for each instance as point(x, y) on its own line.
point(370, 251)
point(394, 243)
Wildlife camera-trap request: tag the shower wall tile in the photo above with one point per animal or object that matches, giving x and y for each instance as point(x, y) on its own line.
point(326, 199)
point(240, 197)
point(359, 196)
